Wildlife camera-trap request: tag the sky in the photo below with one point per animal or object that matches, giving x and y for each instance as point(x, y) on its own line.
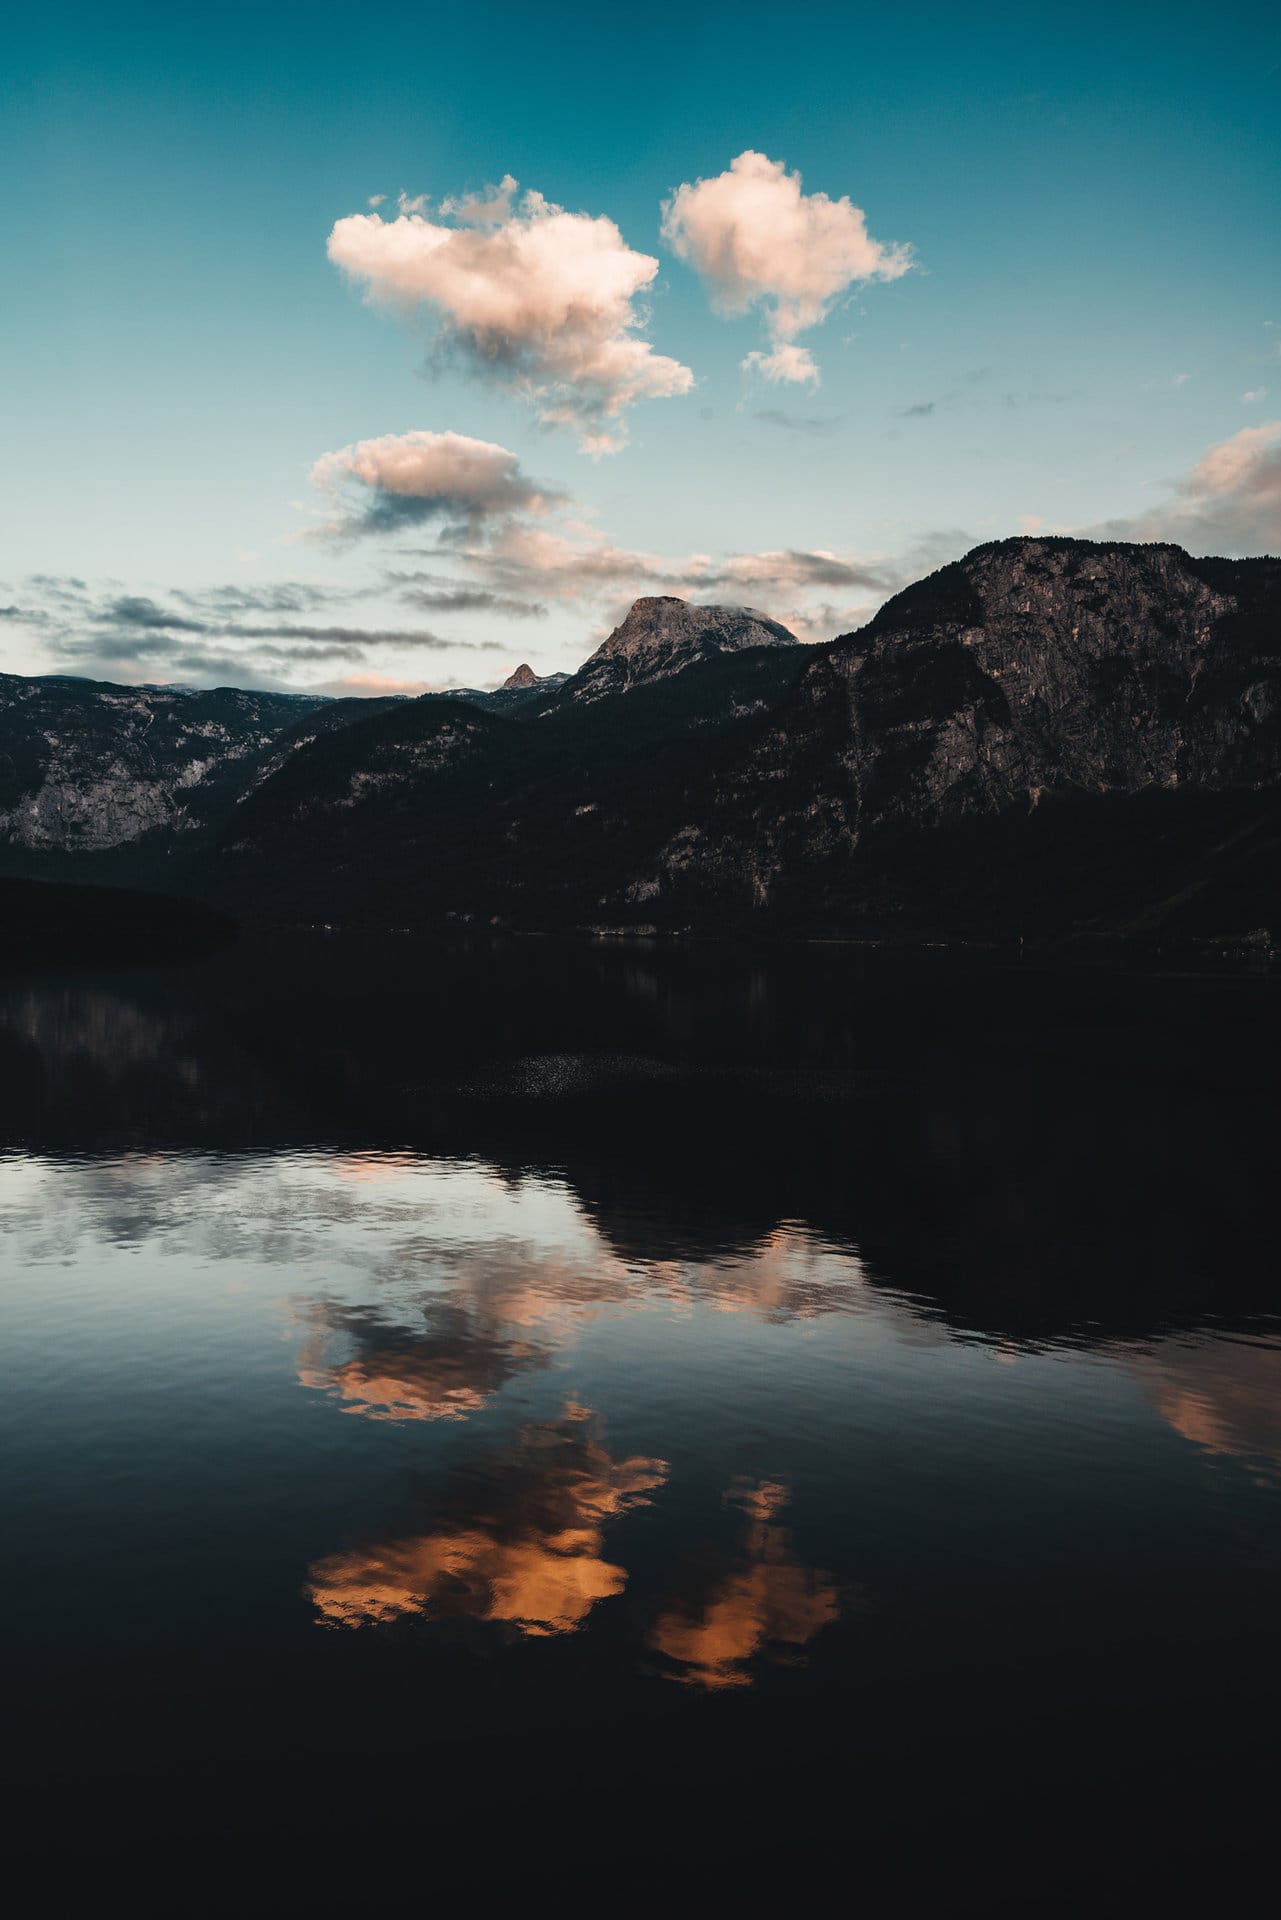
point(383, 350)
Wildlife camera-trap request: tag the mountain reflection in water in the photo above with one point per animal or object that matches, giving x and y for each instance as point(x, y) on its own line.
point(433, 1352)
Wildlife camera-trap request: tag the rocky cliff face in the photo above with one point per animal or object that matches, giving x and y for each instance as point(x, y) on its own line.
point(86, 767)
point(1030, 671)
point(664, 635)
point(1036, 666)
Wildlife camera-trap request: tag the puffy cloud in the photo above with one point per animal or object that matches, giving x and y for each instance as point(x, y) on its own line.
point(757, 241)
point(525, 294)
point(785, 362)
point(1229, 503)
point(407, 478)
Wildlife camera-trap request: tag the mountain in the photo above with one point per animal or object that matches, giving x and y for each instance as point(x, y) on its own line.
point(86, 766)
point(1049, 739)
point(518, 690)
point(1047, 735)
point(522, 680)
point(661, 636)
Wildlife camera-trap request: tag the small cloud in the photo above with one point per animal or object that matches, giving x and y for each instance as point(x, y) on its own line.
point(799, 422)
point(921, 411)
point(1030, 522)
point(1255, 395)
point(376, 199)
point(1180, 379)
point(434, 594)
point(1016, 401)
point(401, 479)
point(756, 240)
point(785, 363)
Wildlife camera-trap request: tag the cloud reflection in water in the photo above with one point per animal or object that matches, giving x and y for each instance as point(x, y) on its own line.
point(531, 1558)
point(764, 1602)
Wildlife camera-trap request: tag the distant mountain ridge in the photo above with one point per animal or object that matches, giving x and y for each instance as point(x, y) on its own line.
point(86, 766)
point(1049, 738)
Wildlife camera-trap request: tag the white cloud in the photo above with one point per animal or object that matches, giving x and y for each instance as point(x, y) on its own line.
point(758, 241)
point(526, 294)
point(402, 478)
point(1254, 397)
point(785, 363)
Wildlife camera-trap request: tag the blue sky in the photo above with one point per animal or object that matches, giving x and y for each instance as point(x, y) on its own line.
point(1089, 334)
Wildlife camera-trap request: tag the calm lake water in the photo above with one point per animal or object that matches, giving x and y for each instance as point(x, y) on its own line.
point(638, 1420)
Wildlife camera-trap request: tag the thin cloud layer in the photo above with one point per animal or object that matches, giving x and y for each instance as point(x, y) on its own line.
point(135, 637)
point(1229, 503)
point(756, 240)
point(816, 594)
point(527, 296)
point(403, 479)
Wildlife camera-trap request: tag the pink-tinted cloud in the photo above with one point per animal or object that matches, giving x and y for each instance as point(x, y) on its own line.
point(1229, 503)
point(757, 240)
point(817, 594)
point(526, 294)
point(403, 478)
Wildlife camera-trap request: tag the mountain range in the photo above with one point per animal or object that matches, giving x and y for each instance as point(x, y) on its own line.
point(1049, 739)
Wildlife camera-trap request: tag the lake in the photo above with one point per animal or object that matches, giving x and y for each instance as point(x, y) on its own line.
point(641, 1421)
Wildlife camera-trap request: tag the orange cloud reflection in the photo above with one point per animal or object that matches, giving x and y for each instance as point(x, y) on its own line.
point(766, 1602)
point(443, 1370)
point(532, 1560)
point(1222, 1395)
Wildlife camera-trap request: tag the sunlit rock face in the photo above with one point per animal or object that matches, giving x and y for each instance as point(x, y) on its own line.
point(85, 767)
point(661, 636)
point(524, 676)
point(531, 1560)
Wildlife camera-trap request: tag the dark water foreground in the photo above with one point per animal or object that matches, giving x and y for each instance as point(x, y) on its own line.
point(644, 1424)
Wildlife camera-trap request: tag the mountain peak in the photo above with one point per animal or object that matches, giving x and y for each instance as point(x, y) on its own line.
point(524, 676)
point(662, 635)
